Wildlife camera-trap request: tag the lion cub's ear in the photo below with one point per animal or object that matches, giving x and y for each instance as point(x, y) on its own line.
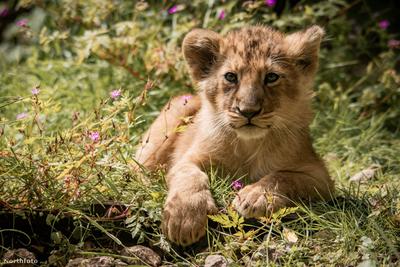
point(201, 50)
point(304, 46)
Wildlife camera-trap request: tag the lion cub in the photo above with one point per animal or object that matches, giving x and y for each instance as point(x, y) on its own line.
point(251, 117)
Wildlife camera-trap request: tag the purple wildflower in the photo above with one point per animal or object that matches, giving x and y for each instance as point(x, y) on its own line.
point(384, 24)
point(173, 10)
point(22, 23)
point(115, 94)
point(237, 185)
point(270, 3)
point(4, 12)
point(394, 43)
point(22, 116)
point(221, 15)
point(35, 91)
point(95, 136)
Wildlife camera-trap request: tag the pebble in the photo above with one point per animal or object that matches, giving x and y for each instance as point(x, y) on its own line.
point(144, 254)
point(216, 261)
point(20, 257)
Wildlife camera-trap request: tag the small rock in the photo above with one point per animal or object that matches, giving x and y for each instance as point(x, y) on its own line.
point(367, 263)
point(100, 261)
point(20, 257)
point(290, 235)
point(144, 255)
point(119, 263)
point(215, 261)
point(75, 262)
point(366, 174)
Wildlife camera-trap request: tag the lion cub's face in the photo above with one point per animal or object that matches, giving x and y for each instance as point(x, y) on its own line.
point(257, 80)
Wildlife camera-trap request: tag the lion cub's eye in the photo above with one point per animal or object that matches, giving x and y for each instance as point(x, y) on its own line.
point(231, 77)
point(271, 77)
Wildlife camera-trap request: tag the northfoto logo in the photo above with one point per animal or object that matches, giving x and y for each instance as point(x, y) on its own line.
point(20, 260)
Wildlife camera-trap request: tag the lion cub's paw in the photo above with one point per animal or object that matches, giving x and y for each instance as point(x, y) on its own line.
point(185, 216)
point(256, 201)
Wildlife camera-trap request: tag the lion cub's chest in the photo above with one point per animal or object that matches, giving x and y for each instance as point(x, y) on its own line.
point(252, 163)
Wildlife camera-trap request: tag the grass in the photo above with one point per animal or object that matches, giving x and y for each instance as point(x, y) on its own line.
point(63, 193)
point(50, 164)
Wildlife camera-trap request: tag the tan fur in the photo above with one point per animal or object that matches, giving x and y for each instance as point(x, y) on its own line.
point(276, 152)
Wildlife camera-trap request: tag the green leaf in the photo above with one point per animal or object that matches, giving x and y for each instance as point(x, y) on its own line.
point(232, 219)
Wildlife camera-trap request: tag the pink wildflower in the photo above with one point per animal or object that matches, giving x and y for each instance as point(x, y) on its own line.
point(22, 23)
point(394, 43)
point(115, 94)
point(176, 9)
point(384, 24)
point(22, 116)
point(35, 91)
point(4, 12)
point(173, 10)
point(270, 3)
point(221, 15)
point(95, 136)
point(186, 98)
point(237, 185)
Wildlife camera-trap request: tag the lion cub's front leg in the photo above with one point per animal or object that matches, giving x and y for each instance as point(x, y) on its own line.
point(279, 190)
point(188, 203)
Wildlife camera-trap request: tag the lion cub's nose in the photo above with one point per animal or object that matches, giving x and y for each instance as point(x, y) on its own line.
point(248, 113)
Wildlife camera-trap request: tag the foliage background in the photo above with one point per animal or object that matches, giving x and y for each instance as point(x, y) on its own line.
point(68, 147)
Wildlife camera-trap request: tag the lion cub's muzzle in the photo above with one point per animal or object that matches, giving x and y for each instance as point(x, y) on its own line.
point(248, 113)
